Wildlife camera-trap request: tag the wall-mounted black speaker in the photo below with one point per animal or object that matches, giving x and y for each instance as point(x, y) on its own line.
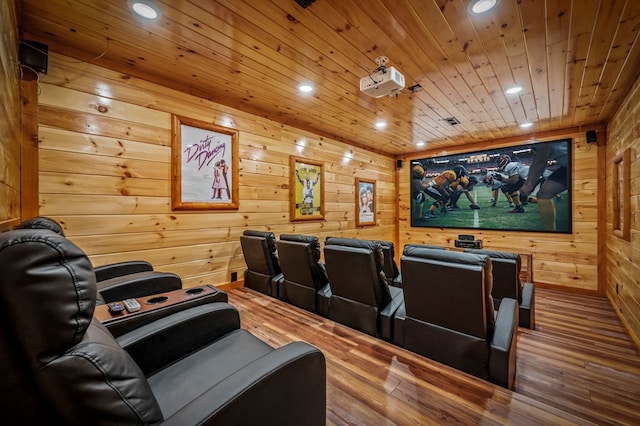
point(305, 3)
point(592, 136)
point(398, 164)
point(34, 55)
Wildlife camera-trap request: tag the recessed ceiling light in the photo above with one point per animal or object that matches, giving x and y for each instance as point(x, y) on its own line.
point(512, 90)
point(420, 143)
point(481, 6)
point(145, 9)
point(305, 88)
point(526, 125)
point(381, 124)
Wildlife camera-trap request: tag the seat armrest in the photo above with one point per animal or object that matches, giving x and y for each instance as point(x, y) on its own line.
point(397, 281)
point(138, 285)
point(323, 296)
point(398, 326)
point(119, 325)
point(168, 339)
point(276, 287)
point(527, 306)
point(388, 312)
point(285, 387)
point(502, 356)
point(113, 270)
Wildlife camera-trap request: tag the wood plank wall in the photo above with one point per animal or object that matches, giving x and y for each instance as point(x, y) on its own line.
point(105, 174)
point(9, 118)
point(568, 261)
point(623, 257)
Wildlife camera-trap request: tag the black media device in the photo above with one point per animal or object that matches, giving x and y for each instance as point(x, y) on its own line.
point(464, 243)
point(466, 237)
point(34, 55)
point(115, 307)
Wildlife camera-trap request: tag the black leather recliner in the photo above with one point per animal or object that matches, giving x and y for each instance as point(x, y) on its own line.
point(123, 280)
point(305, 284)
point(507, 283)
point(448, 314)
point(361, 297)
point(390, 267)
point(59, 365)
point(263, 271)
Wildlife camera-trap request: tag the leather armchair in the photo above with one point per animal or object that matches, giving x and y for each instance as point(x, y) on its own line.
point(390, 267)
point(306, 284)
point(361, 297)
point(61, 366)
point(448, 314)
point(263, 271)
point(118, 281)
point(507, 283)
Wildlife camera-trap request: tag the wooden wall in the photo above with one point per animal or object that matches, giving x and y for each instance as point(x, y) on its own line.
point(105, 174)
point(569, 261)
point(623, 257)
point(9, 118)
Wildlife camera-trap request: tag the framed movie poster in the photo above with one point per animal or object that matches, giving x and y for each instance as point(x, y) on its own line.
point(524, 187)
point(204, 166)
point(306, 189)
point(365, 202)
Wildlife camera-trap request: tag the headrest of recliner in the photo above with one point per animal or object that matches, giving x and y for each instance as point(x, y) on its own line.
point(351, 242)
point(445, 255)
point(312, 240)
point(42, 222)
point(496, 254)
point(269, 236)
point(47, 292)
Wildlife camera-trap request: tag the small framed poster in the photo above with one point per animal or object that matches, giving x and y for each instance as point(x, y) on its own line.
point(365, 202)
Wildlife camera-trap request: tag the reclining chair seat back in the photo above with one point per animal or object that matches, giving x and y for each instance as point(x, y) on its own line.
point(358, 291)
point(449, 313)
point(260, 255)
point(507, 283)
point(60, 342)
point(390, 268)
point(506, 273)
point(304, 275)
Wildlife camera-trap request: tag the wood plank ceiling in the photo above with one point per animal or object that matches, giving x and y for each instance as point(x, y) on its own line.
point(576, 60)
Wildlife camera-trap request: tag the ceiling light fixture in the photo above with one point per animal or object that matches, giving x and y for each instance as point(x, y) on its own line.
point(145, 9)
point(381, 125)
point(526, 125)
point(512, 90)
point(305, 88)
point(481, 6)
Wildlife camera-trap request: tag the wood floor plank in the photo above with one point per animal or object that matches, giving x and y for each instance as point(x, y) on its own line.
point(578, 367)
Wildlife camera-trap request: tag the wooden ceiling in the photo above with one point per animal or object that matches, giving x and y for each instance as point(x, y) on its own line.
point(576, 60)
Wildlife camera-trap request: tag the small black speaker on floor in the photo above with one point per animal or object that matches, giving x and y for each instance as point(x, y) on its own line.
point(34, 55)
point(398, 164)
point(592, 136)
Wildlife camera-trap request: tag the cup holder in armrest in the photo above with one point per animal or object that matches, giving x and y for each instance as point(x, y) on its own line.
point(156, 300)
point(192, 291)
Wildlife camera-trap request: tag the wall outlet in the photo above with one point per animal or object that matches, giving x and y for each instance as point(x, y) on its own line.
point(234, 276)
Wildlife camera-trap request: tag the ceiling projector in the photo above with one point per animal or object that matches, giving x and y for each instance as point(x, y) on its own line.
point(383, 81)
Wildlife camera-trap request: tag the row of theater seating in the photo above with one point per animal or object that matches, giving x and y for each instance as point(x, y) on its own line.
point(459, 308)
point(194, 365)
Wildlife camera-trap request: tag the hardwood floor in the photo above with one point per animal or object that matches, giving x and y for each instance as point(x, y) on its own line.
point(578, 367)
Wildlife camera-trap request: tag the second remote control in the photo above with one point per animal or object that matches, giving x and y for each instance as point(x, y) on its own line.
point(132, 305)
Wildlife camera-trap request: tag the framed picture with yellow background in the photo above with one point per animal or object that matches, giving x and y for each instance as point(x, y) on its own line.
point(306, 189)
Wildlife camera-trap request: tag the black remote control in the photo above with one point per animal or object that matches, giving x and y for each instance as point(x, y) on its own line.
point(115, 307)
